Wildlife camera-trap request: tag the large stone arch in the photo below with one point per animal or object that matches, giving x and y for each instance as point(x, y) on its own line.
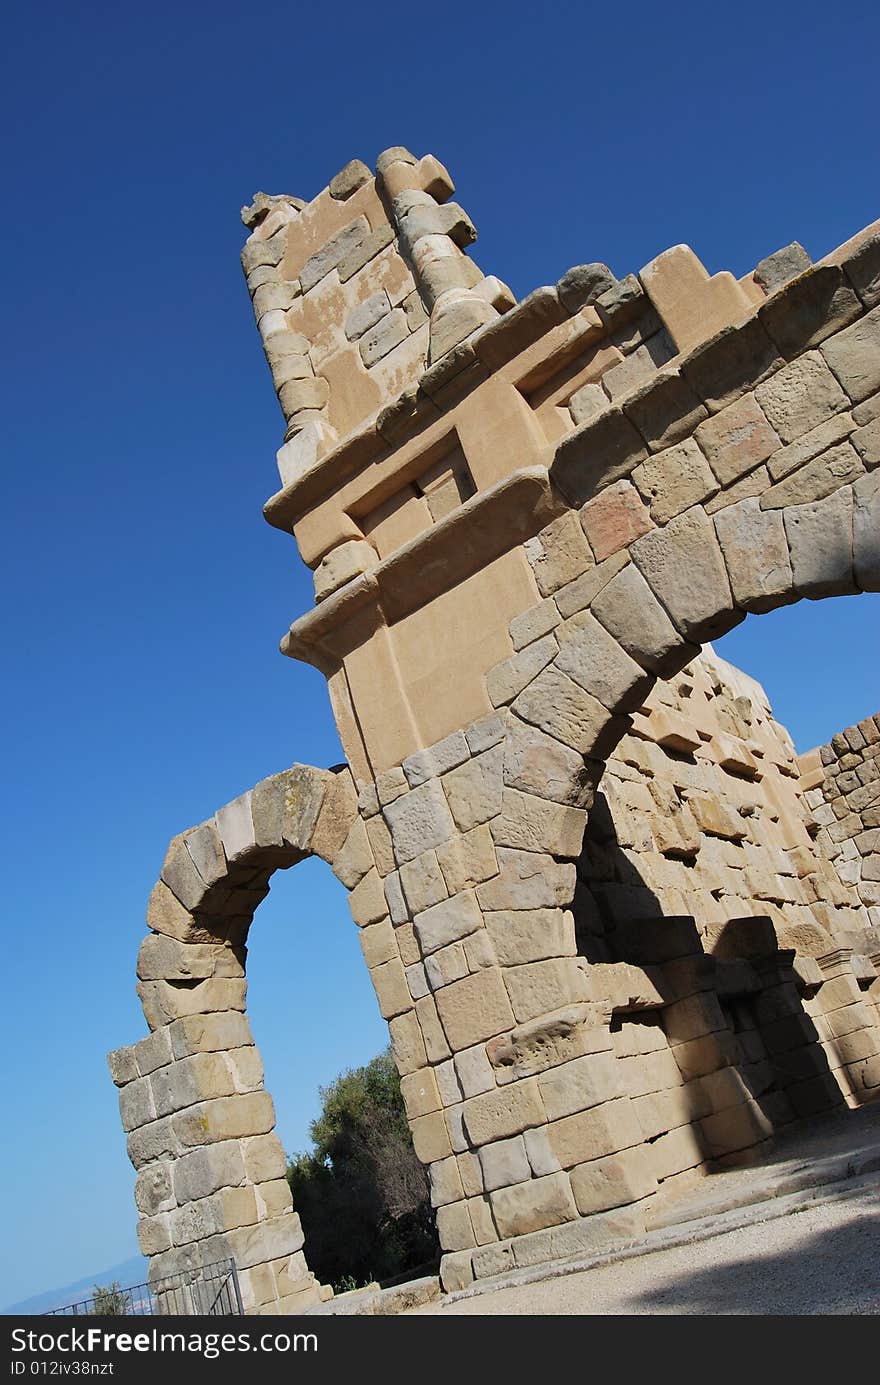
point(542, 487)
point(200, 1124)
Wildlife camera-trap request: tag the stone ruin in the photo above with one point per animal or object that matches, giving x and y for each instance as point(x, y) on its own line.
point(620, 934)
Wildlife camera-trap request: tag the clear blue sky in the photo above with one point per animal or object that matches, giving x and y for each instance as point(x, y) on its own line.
point(145, 595)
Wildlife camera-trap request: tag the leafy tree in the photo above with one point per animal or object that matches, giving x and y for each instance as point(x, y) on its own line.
point(110, 1300)
point(361, 1192)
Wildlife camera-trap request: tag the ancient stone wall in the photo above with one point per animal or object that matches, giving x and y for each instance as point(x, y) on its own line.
point(608, 949)
point(842, 788)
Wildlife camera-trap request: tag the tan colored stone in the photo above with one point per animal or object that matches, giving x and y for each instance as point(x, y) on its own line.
point(474, 1008)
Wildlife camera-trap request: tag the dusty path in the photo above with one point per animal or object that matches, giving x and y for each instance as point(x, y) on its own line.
point(823, 1260)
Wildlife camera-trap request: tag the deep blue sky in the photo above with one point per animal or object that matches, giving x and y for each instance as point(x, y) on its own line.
point(144, 593)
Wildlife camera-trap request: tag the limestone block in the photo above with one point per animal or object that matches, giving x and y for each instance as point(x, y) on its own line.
point(531, 935)
point(209, 1033)
point(737, 439)
point(392, 991)
point(614, 1181)
point(342, 564)
point(781, 267)
point(455, 318)
point(445, 966)
point(151, 1053)
point(596, 661)
point(539, 988)
point(506, 680)
point(454, 1227)
point(520, 327)
point(430, 1137)
point(556, 1038)
point(866, 532)
point(468, 860)
point(236, 827)
point(474, 1009)
point(201, 1172)
point(504, 1162)
point(482, 1220)
point(447, 922)
point(817, 479)
point(563, 709)
point(474, 790)
point(630, 612)
point(756, 554)
point(583, 284)
point(419, 1092)
point(377, 341)
point(614, 519)
point(674, 480)
point(533, 1205)
point(136, 1106)
point(355, 858)
point(618, 304)
point(378, 943)
point(155, 1140)
point(801, 396)
point(527, 880)
point(423, 882)
point(419, 820)
point(456, 1271)
point(597, 454)
point(433, 1035)
point(639, 367)
point(407, 1043)
point(225, 1118)
point(364, 251)
point(486, 732)
point(264, 1158)
point(181, 876)
point(731, 363)
point(445, 1181)
point(380, 843)
point(367, 900)
point(275, 297)
point(300, 454)
point(206, 849)
point(820, 542)
point(866, 441)
point(332, 251)
point(558, 554)
point(591, 1134)
point(123, 1065)
point(349, 179)
point(164, 958)
point(586, 403)
point(437, 759)
point(579, 1084)
point(534, 824)
point(809, 445)
point(684, 568)
point(474, 1071)
point(153, 1235)
point(853, 356)
point(182, 1084)
point(498, 1115)
point(665, 408)
point(163, 1001)
point(716, 817)
point(246, 1067)
point(691, 304)
point(809, 309)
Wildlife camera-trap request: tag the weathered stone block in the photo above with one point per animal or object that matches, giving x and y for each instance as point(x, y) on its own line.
point(809, 309)
point(820, 540)
point(418, 821)
point(559, 554)
point(474, 790)
point(392, 991)
point(498, 1115)
point(531, 935)
point(684, 568)
point(591, 1134)
point(674, 480)
point(731, 363)
point(816, 480)
point(756, 554)
point(614, 1181)
point(533, 1205)
point(600, 452)
point(631, 613)
point(564, 710)
point(534, 824)
point(506, 680)
point(598, 663)
point(866, 532)
point(474, 1008)
point(447, 921)
point(737, 439)
point(527, 880)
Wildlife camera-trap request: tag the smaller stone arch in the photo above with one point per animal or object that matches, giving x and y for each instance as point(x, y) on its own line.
point(200, 1125)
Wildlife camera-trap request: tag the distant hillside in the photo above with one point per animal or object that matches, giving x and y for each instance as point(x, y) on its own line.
point(133, 1271)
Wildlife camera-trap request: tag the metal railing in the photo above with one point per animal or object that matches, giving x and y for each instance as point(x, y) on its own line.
point(212, 1291)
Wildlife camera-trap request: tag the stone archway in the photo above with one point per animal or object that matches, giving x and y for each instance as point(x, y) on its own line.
point(201, 1126)
point(499, 583)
